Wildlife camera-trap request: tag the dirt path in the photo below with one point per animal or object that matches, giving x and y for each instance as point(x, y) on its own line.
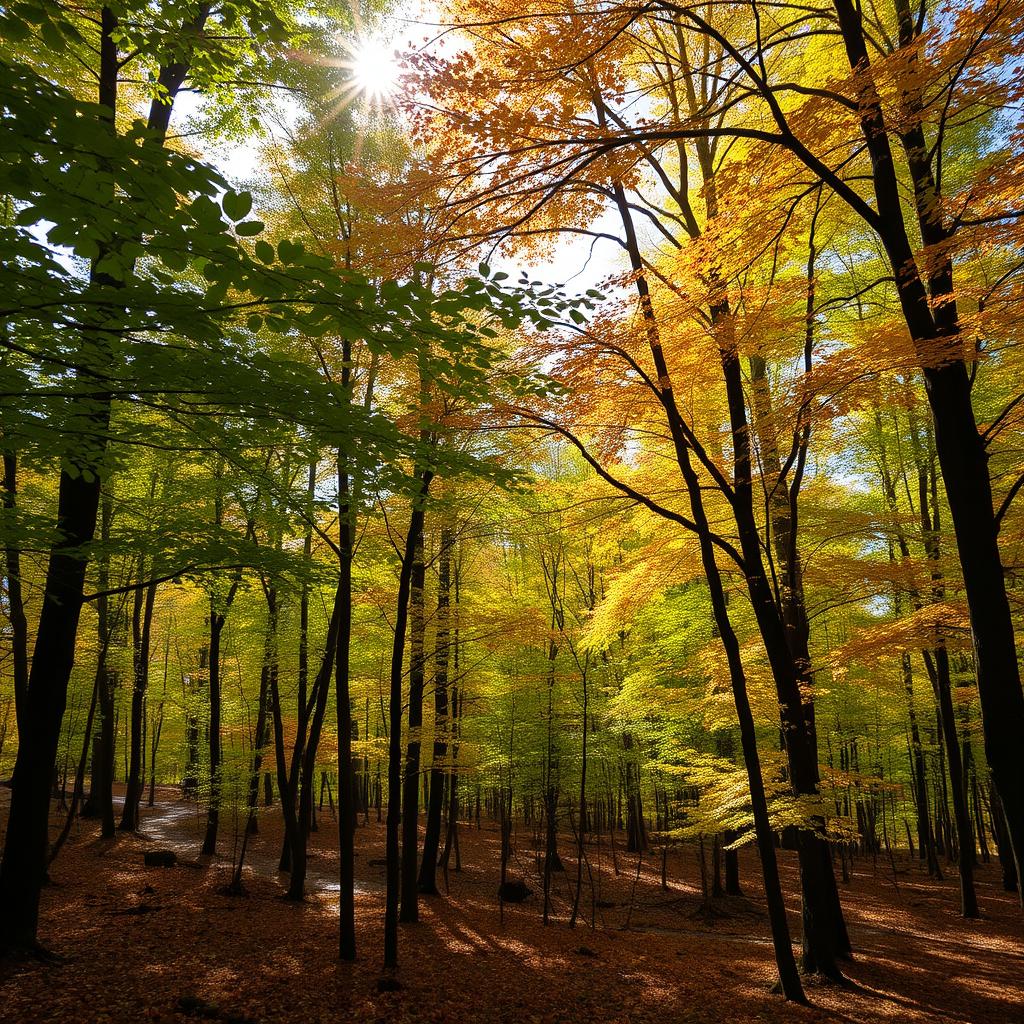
point(177, 824)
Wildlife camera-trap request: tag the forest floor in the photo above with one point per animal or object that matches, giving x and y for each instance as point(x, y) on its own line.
point(165, 944)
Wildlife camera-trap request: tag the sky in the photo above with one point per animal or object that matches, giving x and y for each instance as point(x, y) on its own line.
point(577, 262)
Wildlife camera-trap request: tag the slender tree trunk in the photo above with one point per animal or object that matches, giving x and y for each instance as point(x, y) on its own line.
point(1007, 864)
point(158, 725)
point(452, 824)
point(262, 736)
point(15, 600)
point(411, 780)
point(924, 825)
point(306, 821)
point(581, 833)
point(142, 621)
point(101, 793)
point(938, 669)
point(346, 779)
point(428, 869)
point(76, 794)
point(284, 783)
point(299, 775)
point(394, 812)
point(219, 610)
point(822, 929)
point(788, 976)
point(213, 811)
point(303, 708)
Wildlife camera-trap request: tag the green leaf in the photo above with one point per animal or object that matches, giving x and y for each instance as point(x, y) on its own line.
point(265, 251)
point(174, 260)
point(288, 251)
point(52, 36)
point(237, 204)
point(249, 227)
point(16, 31)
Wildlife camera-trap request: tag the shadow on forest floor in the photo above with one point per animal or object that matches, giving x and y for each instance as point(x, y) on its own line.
point(140, 940)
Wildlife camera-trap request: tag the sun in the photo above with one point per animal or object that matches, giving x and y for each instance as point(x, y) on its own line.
point(374, 69)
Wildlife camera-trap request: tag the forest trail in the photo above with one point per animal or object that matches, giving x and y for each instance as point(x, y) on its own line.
point(176, 823)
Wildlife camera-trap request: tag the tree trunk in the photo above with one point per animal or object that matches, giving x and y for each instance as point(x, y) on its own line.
point(432, 839)
point(213, 811)
point(394, 812)
point(938, 669)
point(262, 736)
point(346, 779)
point(411, 780)
point(142, 621)
point(158, 726)
point(101, 791)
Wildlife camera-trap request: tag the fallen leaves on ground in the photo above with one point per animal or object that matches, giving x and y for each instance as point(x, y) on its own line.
point(168, 945)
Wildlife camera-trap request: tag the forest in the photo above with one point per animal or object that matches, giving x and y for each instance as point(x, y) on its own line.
point(511, 511)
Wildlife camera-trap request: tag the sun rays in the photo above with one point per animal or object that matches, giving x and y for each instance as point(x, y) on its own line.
point(370, 73)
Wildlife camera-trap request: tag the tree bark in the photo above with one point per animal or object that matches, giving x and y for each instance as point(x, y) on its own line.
point(432, 839)
point(142, 621)
point(346, 778)
point(394, 811)
point(411, 779)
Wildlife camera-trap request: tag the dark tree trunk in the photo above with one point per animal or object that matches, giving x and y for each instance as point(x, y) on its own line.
point(1007, 864)
point(23, 868)
point(451, 839)
point(262, 737)
point(213, 811)
point(26, 844)
point(303, 709)
point(581, 825)
point(157, 728)
point(824, 929)
point(299, 775)
point(15, 600)
point(394, 812)
point(938, 669)
point(76, 794)
point(219, 610)
point(411, 780)
point(432, 839)
point(305, 819)
point(789, 979)
point(142, 621)
point(101, 792)
point(346, 779)
point(925, 837)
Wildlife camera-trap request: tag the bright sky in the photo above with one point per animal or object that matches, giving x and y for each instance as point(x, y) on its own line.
point(576, 261)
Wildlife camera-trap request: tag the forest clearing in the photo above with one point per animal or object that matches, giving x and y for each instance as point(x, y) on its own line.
point(512, 510)
point(176, 943)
